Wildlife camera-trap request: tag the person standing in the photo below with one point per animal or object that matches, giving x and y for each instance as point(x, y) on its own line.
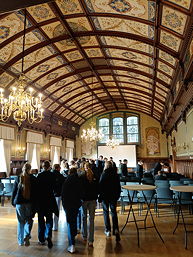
point(158, 166)
point(72, 192)
point(46, 204)
point(109, 193)
point(100, 164)
point(59, 180)
point(90, 185)
point(139, 171)
point(23, 198)
point(124, 170)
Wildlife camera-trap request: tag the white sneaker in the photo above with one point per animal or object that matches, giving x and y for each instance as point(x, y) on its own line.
point(108, 233)
point(71, 249)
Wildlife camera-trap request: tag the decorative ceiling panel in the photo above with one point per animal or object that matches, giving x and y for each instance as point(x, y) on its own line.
point(69, 7)
point(165, 68)
point(182, 3)
point(127, 26)
point(136, 8)
point(173, 20)
point(163, 77)
point(170, 40)
point(118, 49)
point(128, 43)
point(41, 12)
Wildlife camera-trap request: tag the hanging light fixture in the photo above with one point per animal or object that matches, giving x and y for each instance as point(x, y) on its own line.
point(20, 103)
point(112, 142)
point(91, 134)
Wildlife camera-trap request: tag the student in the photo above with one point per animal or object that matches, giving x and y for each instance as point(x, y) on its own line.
point(71, 200)
point(46, 204)
point(124, 170)
point(139, 171)
point(23, 198)
point(90, 185)
point(59, 180)
point(109, 193)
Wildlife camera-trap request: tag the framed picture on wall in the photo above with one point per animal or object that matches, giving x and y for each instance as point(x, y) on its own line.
point(152, 140)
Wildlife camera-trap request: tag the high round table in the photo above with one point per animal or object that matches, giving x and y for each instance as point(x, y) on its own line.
point(141, 188)
point(182, 189)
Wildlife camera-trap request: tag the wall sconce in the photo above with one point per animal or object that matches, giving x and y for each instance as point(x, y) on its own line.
point(185, 146)
point(20, 149)
point(47, 150)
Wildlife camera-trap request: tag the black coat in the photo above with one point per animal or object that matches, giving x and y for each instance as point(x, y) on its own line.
point(124, 171)
point(109, 186)
point(46, 201)
point(139, 171)
point(91, 189)
point(17, 197)
point(157, 167)
point(59, 180)
point(100, 166)
point(72, 192)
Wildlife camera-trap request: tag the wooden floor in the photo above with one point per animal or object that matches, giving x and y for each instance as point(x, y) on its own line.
point(151, 245)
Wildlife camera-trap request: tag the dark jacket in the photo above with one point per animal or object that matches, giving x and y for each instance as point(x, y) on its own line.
point(91, 189)
point(46, 201)
point(100, 166)
point(157, 167)
point(17, 197)
point(59, 180)
point(124, 171)
point(109, 185)
point(72, 192)
point(139, 171)
point(160, 177)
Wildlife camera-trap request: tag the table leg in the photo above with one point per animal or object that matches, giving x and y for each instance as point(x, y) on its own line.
point(149, 211)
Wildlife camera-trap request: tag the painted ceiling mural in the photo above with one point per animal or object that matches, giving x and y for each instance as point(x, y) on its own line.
point(110, 54)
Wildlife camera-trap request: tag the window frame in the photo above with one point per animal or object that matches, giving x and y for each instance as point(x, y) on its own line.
point(123, 115)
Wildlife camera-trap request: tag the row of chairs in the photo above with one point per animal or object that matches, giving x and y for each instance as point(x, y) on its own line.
point(6, 189)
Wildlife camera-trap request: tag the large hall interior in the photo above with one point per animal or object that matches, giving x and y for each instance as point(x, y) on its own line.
point(81, 79)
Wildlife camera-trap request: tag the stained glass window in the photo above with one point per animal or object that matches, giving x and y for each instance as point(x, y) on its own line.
point(132, 129)
point(104, 129)
point(118, 131)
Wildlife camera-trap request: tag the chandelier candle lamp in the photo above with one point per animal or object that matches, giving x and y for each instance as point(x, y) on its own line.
point(91, 134)
point(112, 143)
point(20, 103)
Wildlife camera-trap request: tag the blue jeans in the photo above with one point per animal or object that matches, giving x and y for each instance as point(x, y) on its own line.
point(79, 220)
point(113, 205)
point(44, 226)
point(55, 218)
point(25, 221)
point(71, 219)
point(90, 207)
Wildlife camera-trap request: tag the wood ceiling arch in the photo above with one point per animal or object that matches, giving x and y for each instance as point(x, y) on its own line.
point(91, 34)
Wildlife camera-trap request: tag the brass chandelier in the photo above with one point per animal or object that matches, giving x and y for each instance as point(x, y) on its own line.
point(91, 134)
point(111, 142)
point(20, 103)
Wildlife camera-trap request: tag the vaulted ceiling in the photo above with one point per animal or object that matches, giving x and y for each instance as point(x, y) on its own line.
point(113, 54)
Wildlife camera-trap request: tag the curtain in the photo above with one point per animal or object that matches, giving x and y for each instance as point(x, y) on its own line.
point(33, 155)
point(69, 153)
point(55, 154)
point(29, 152)
point(5, 148)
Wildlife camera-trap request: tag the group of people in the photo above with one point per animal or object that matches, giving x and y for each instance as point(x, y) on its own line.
point(78, 185)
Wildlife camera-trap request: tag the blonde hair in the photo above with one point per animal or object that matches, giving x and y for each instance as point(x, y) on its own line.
point(108, 164)
point(25, 181)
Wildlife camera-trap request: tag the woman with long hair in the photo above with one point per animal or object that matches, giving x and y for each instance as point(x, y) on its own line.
point(90, 184)
point(23, 198)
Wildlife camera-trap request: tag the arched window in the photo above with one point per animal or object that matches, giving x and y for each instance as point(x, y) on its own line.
point(132, 129)
point(104, 129)
point(118, 131)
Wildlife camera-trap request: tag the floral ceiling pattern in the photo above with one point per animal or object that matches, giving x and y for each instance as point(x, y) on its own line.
point(92, 56)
